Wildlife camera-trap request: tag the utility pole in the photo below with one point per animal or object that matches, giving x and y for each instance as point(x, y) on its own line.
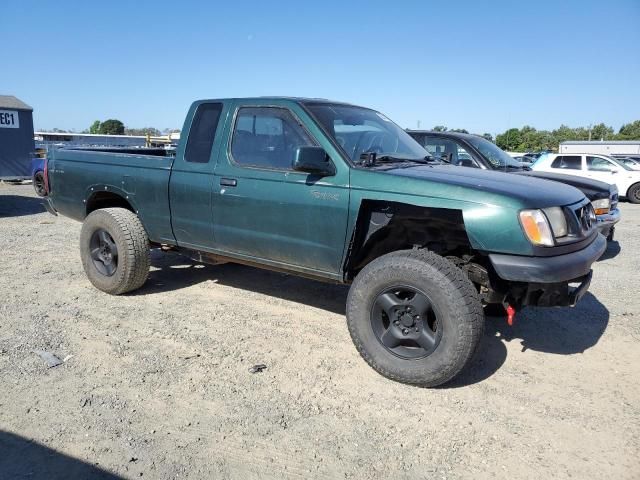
point(590, 132)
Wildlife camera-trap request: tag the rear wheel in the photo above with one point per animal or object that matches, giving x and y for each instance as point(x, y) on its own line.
point(115, 250)
point(415, 317)
point(633, 195)
point(38, 184)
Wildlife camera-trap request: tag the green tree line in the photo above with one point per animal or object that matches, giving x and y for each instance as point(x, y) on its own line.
point(116, 127)
point(528, 139)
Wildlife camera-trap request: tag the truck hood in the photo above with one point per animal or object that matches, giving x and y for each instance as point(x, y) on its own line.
point(528, 191)
point(592, 189)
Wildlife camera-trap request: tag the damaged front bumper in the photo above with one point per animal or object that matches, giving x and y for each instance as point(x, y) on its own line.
point(556, 281)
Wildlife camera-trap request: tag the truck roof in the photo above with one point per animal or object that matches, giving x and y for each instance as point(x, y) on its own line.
point(278, 98)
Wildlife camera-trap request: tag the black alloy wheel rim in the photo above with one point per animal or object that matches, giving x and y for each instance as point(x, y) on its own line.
point(406, 323)
point(104, 252)
point(636, 194)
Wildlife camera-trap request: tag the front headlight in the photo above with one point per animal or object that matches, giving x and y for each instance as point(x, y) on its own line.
point(536, 227)
point(558, 221)
point(601, 206)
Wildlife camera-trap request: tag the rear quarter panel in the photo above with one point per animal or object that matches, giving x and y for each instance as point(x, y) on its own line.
point(142, 180)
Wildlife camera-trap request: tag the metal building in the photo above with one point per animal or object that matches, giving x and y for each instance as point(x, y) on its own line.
point(614, 147)
point(16, 138)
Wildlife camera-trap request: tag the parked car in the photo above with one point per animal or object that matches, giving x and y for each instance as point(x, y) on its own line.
point(481, 153)
point(631, 162)
point(599, 167)
point(37, 176)
point(338, 193)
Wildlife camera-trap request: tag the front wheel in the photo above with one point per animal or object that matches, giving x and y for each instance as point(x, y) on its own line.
point(415, 317)
point(114, 248)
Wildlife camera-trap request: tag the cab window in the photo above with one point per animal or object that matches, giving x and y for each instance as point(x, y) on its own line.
point(599, 164)
point(267, 137)
point(449, 151)
point(202, 132)
point(567, 162)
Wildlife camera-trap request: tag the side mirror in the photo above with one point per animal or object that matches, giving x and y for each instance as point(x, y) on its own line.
point(613, 170)
point(465, 162)
point(313, 160)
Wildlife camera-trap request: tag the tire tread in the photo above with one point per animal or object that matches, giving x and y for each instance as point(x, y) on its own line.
point(471, 314)
point(136, 256)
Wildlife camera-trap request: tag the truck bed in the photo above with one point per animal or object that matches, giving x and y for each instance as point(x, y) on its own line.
point(96, 175)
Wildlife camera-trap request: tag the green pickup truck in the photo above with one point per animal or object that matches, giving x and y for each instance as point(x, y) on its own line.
point(339, 193)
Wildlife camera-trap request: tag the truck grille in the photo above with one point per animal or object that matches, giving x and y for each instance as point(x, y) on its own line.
point(614, 201)
point(586, 217)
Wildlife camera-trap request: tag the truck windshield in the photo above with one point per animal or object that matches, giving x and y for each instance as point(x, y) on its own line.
point(496, 156)
point(361, 130)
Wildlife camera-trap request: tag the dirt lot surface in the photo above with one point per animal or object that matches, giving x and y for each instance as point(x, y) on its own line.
point(156, 383)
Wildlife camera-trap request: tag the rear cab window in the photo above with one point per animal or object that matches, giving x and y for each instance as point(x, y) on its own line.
point(202, 132)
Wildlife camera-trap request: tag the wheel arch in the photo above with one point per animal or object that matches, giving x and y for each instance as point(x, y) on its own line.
point(108, 198)
point(386, 226)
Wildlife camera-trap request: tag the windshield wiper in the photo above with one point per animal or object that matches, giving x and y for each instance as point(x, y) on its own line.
point(522, 167)
point(368, 159)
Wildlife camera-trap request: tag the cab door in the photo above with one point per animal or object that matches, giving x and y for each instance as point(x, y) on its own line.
point(264, 209)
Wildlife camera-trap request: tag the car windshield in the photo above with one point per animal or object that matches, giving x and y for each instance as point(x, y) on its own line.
point(619, 162)
point(496, 156)
point(361, 130)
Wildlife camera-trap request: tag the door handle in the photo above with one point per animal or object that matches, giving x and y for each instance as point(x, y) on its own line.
point(228, 182)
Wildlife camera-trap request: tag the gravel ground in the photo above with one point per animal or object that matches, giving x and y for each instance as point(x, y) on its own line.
point(156, 383)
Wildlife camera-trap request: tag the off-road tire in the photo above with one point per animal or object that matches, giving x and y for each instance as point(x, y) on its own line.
point(132, 243)
point(633, 194)
point(449, 290)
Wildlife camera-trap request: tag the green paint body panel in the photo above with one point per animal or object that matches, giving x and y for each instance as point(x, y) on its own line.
point(283, 218)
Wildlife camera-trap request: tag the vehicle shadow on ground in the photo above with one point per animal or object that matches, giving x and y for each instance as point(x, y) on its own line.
point(23, 458)
point(560, 331)
point(19, 206)
point(175, 272)
point(613, 249)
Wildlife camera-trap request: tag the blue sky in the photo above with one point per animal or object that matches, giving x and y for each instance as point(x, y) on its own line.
point(483, 66)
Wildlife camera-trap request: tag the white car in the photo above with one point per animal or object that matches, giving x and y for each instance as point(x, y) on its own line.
point(599, 167)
